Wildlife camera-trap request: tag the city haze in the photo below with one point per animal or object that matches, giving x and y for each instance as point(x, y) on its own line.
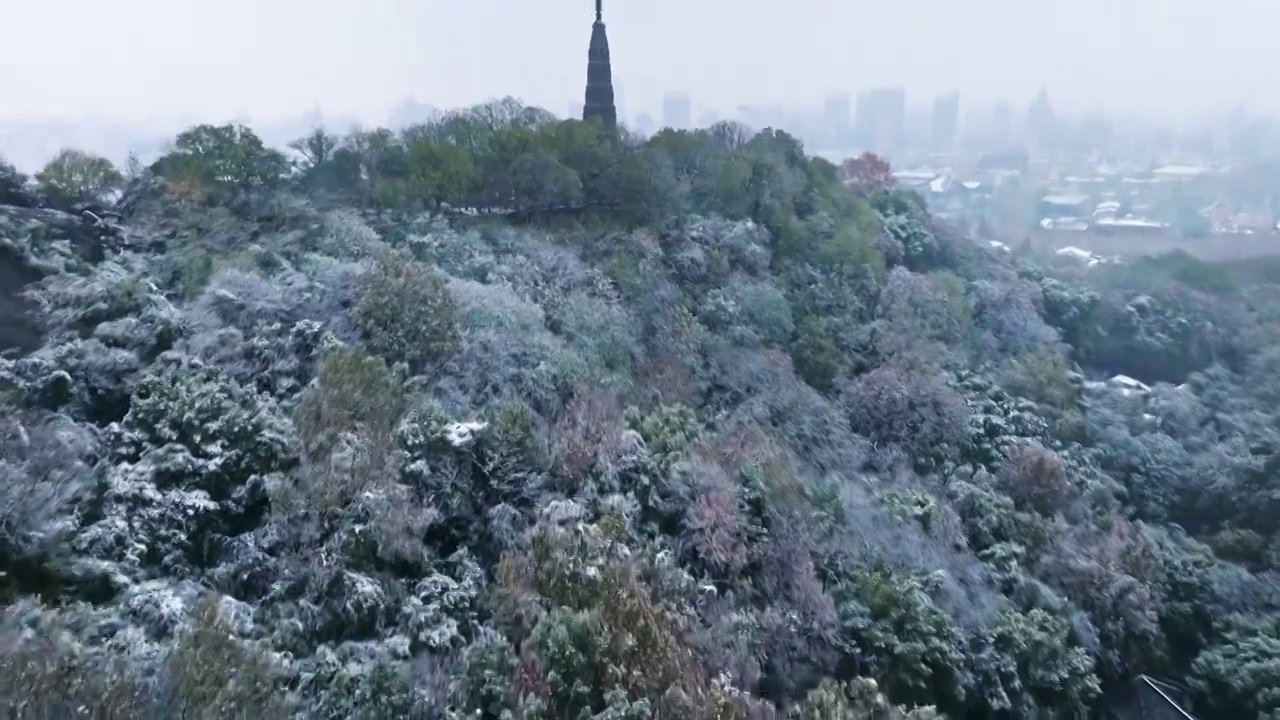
point(139, 59)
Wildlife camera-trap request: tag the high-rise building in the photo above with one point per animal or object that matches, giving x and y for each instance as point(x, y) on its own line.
point(1042, 122)
point(837, 120)
point(411, 112)
point(1001, 127)
point(880, 121)
point(599, 95)
point(677, 111)
point(645, 124)
point(946, 121)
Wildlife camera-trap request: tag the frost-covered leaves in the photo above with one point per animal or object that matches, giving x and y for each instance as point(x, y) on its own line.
point(243, 301)
point(704, 252)
point(749, 313)
point(480, 479)
point(462, 469)
point(996, 420)
point(346, 425)
point(200, 429)
point(507, 351)
point(210, 671)
point(1124, 611)
point(714, 527)
point(1240, 676)
point(45, 461)
point(904, 219)
point(113, 290)
point(1028, 664)
point(1072, 310)
point(592, 441)
point(367, 681)
point(759, 388)
point(405, 310)
point(922, 414)
point(1036, 479)
point(1009, 314)
point(856, 700)
point(597, 636)
point(1169, 333)
point(50, 667)
point(889, 618)
point(85, 379)
point(924, 320)
point(344, 234)
point(190, 461)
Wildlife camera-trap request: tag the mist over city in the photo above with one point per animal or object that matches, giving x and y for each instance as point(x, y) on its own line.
point(153, 66)
point(1072, 97)
point(640, 360)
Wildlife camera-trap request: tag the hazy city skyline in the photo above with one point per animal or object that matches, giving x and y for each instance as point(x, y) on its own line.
point(138, 59)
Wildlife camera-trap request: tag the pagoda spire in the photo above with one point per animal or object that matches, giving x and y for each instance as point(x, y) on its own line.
point(599, 95)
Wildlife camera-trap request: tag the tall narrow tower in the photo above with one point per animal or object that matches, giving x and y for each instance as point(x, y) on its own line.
point(599, 98)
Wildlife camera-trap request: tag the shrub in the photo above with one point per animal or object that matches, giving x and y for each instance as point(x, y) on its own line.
point(42, 468)
point(347, 424)
point(925, 320)
point(894, 406)
point(40, 678)
point(1036, 479)
point(858, 700)
point(597, 635)
point(508, 354)
point(1240, 675)
point(1044, 377)
point(750, 313)
point(602, 331)
point(592, 436)
point(211, 673)
point(713, 529)
point(406, 311)
point(206, 673)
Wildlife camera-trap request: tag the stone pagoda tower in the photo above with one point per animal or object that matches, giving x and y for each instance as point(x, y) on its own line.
point(599, 96)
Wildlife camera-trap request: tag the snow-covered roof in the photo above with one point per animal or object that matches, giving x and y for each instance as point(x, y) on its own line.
point(1131, 222)
point(1072, 251)
point(919, 174)
point(1064, 199)
point(1129, 382)
point(1070, 223)
point(1179, 171)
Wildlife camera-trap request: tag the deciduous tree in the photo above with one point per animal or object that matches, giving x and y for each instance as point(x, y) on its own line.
point(866, 173)
point(75, 176)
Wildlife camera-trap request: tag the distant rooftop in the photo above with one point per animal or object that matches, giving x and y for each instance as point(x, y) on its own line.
point(1179, 171)
point(1130, 222)
point(1064, 199)
point(920, 174)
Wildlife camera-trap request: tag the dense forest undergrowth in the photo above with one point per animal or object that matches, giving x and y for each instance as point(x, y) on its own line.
point(504, 417)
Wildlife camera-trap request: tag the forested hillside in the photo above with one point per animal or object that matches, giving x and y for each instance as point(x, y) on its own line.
point(503, 417)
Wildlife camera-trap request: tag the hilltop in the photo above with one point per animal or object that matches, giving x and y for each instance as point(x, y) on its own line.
point(508, 417)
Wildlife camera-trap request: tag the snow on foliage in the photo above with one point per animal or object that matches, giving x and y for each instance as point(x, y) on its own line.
point(707, 434)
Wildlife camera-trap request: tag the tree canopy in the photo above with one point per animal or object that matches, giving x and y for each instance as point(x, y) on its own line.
point(501, 416)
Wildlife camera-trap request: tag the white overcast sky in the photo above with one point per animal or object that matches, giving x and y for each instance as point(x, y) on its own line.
point(134, 59)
